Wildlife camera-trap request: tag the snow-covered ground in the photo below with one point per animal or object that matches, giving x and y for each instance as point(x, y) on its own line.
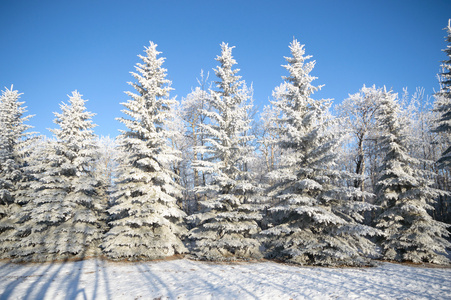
point(185, 279)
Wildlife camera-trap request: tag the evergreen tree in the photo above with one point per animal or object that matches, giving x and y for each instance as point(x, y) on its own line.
point(443, 104)
point(226, 225)
point(404, 194)
point(14, 146)
point(146, 220)
point(66, 216)
point(29, 242)
point(426, 146)
point(314, 220)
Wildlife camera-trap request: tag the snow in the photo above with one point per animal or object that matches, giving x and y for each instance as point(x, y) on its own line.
point(185, 279)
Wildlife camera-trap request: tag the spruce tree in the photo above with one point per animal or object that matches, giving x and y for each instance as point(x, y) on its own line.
point(226, 226)
point(146, 222)
point(66, 216)
point(14, 149)
point(314, 220)
point(443, 102)
point(29, 241)
point(405, 195)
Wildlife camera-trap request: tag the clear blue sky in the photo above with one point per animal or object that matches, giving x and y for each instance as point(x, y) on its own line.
point(50, 48)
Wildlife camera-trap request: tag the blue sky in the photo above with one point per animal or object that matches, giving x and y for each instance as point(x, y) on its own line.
point(50, 48)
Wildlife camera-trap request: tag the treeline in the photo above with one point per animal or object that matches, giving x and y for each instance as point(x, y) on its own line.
point(205, 178)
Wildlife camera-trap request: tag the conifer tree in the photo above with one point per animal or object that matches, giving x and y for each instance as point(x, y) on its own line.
point(405, 195)
point(14, 146)
point(29, 242)
point(226, 225)
point(314, 222)
point(146, 222)
point(443, 103)
point(66, 216)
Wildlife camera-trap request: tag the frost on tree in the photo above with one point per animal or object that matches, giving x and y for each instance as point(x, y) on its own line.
point(14, 149)
point(359, 116)
point(269, 135)
point(146, 220)
point(106, 164)
point(65, 218)
point(443, 103)
point(182, 167)
point(228, 221)
point(404, 193)
point(314, 222)
point(191, 113)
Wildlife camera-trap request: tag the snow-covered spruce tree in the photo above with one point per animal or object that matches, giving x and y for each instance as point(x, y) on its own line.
point(443, 103)
point(427, 146)
point(146, 220)
point(14, 148)
point(314, 222)
point(39, 161)
point(66, 217)
point(404, 194)
point(226, 225)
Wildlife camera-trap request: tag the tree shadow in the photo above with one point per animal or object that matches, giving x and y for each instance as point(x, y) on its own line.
point(4, 265)
point(78, 284)
point(100, 279)
point(101, 265)
point(152, 278)
point(192, 278)
point(224, 282)
point(68, 280)
point(48, 281)
point(9, 289)
point(71, 282)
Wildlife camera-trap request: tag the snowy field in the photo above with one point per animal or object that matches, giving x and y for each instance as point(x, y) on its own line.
point(185, 279)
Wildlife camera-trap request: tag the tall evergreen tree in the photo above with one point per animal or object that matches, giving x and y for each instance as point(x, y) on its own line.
point(314, 222)
point(226, 225)
point(66, 217)
point(146, 220)
point(404, 194)
point(443, 104)
point(14, 146)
